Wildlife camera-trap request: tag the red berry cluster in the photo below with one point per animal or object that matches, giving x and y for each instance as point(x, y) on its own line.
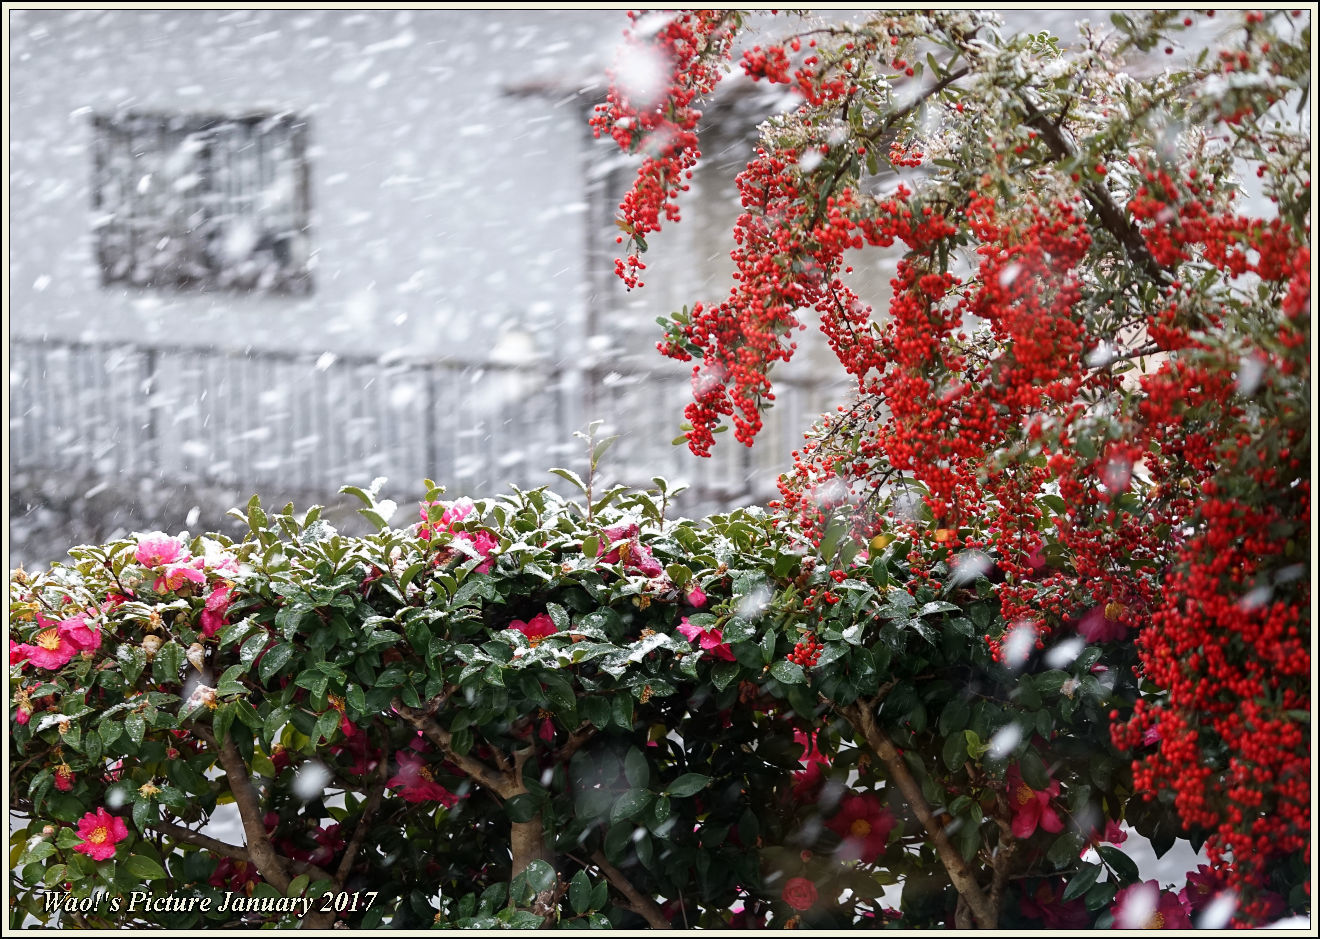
point(807, 652)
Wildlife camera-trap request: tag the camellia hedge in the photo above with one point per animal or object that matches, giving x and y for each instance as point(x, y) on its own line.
point(537, 711)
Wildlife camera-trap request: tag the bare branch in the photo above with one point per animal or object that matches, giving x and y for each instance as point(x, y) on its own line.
point(269, 864)
point(488, 778)
point(638, 902)
point(861, 716)
point(374, 799)
point(196, 838)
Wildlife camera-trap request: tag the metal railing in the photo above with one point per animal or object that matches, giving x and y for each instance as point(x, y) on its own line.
point(257, 419)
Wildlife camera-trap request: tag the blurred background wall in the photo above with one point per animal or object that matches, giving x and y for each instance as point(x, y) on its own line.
point(280, 251)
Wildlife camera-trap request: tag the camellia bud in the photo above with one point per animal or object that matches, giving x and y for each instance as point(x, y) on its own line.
point(202, 695)
point(151, 644)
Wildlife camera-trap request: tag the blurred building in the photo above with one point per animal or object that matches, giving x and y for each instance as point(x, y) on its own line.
point(280, 251)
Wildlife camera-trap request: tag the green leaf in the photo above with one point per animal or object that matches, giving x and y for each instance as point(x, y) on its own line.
point(1082, 881)
point(521, 808)
point(229, 683)
point(617, 840)
point(687, 784)
point(571, 476)
point(540, 876)
point(955, 751)
point(1123, 866)
point(326, 725)
point(276, 657)
point(630, 804)
point(224, 716)
point(637, 769)
point(790, 673)
point(252, 647)
point(579, 892)
point(1101, 895)
point(355, 698)
point(144, 867)
point(136, 727)
point(1034, 773)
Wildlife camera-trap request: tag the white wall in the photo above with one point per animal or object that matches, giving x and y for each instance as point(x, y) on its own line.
point(441, 207)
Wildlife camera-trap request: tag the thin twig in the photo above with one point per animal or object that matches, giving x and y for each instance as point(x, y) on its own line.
point(374, 799)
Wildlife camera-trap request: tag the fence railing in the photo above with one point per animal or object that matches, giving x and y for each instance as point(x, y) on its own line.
point(258, 419)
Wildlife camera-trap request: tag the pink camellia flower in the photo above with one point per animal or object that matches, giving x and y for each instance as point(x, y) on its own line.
point(51, 647)
point(540, 626)
point(18, 652)
point(157, 548)
point(416, 782)
point(712, 640)
point(217, 607)
point(1146, 906)
point(176, 575)
point(76, 630)
point(696, 596)
point(23, 706)
point(481, 543)
point(64, 777)
point(807, 782)
point(864, 824)
point(1031, 809)
point(1096, 625)
point(627, 547)
point(100, 832)
point(800, 894)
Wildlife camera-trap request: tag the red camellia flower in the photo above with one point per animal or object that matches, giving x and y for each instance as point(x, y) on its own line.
point(864, 825)
point(416, 782)
point(1203, 884)
point(1031, 809)
point(100, 832)
point(712, 640)
point(800, 894)
point(216, 609)
point(64, 777)
point(1046, 904)
point(539, 627)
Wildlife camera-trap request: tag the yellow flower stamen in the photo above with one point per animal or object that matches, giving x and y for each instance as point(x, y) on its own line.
point(49, 639)
point(860, 828)
point(1025, 794)
point(99, 835)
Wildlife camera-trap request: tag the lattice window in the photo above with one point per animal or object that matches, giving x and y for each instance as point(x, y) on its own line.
point(202, 201)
